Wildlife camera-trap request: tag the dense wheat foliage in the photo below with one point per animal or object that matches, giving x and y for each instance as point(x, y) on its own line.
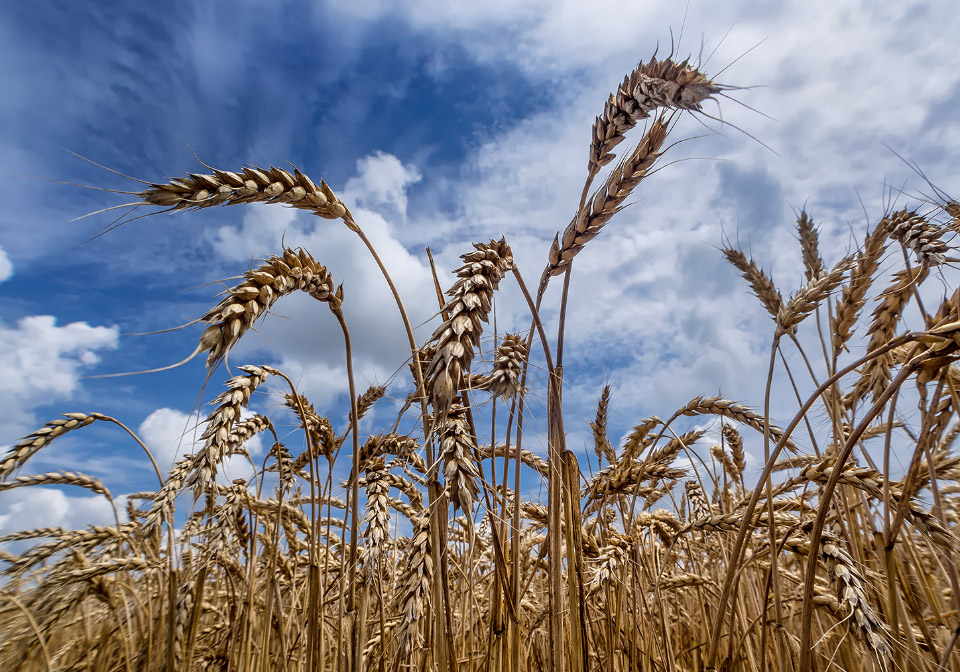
point(417, 547)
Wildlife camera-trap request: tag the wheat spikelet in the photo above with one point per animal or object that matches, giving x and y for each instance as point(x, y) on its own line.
point(108, 566)
point(366, 400)
point(403, 447)
point(606, 567)
point(721, 456)
point(531, 460)
point(106, 538)
point(376, 516)
point(283, 465)
point(601, 445)
point(91, 483)
point(699, 506)
point(918, 235)
point(469, 305)
point(853, 295)
point(734, 411)
point(456, 447)
point(198, 471)
point(730, 522)
point(251, 185)
point(626, 474)
point(608, 200)
point(322, 437)
point(852, 595)
point(886, 316)
point(652, 85)
point(639, 439)
point(809, 246)
point(871, 482)
point(33, 534)
point(685, 580)
point(760, 283)
point(504, 379)
point(29, 445)
point(221, 434)
point(414, 588)
point(735, 443)
point(252, 299)
point(806, 300)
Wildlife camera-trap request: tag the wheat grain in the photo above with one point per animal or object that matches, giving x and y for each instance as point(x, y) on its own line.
point(469, 305)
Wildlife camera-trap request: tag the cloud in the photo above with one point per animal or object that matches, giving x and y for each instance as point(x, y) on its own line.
point(6, 266)
point(42, 363)
point(32, 507)
point(381, 180)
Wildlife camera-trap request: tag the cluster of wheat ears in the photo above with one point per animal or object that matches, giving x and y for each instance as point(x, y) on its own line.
point(425, 558)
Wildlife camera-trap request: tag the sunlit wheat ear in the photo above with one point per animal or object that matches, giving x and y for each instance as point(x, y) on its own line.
point(220, 437)
point(760, 283)
point(725, 460)
point(322, 437)
point(733, 410)
point(886, 317)
point(377, 515)
point(853, 296)
point(609, 198)
point(872, 483)
point(918, 235)
point(404, 448)
point(809, 245)
point(699, 507)
point(504, 379)
point(468, 308)
point(601, 444)
point(366, 400)
point(535, 462)
point(806, 300)
point(606, 567)
point(851, 593)
point(251, 185)
point(253, 298)
point(28, 446)
point(735, 444)
point(91, 483)
point(456, 454)
point(656, 84)
point(414, 588)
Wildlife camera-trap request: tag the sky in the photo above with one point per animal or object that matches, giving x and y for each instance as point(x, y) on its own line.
point(439, 124)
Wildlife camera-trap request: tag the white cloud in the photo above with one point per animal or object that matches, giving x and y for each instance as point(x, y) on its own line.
point(169, 434)
point(42, 362)
point(6, 266)
point(381, 180)
point(33, 507)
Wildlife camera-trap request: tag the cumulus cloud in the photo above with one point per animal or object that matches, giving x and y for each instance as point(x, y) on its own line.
point(381, 180)
point(43, 363)
point(6, 266)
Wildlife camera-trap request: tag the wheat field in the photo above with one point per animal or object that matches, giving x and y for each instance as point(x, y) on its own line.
point(430, 555)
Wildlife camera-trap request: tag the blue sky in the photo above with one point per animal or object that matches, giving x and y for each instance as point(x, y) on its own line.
point(439, 124)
